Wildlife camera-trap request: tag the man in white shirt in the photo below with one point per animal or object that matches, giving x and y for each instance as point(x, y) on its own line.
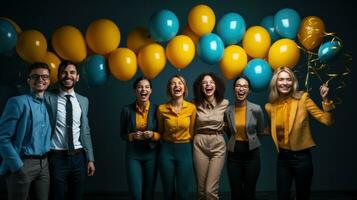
point(71, 157)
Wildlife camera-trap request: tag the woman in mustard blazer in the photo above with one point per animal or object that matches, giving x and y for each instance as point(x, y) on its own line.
point(289, 110)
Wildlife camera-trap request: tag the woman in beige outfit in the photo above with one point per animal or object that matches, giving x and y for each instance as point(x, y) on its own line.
point(209, 147)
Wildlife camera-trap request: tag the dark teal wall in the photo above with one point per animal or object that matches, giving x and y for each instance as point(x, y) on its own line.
point(334, 157)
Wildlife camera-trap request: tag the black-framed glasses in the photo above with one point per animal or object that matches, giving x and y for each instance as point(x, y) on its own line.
point(44, 77)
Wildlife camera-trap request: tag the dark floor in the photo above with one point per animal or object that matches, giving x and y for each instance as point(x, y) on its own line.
point(322, 195)
point(348, 195)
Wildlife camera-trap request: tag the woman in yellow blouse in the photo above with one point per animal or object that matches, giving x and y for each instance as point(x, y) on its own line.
point(289, 111)
point(176, 120)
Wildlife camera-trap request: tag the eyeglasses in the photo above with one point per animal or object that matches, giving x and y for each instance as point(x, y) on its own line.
point(44, 77)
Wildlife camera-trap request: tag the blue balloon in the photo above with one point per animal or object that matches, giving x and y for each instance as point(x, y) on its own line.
point(329, 50)
point(210, 48)
point(231, 28)
point(163, 25)
point(8, 36)
point(287, 22)
point(259, 73)
point(95, 70)
point(268, 24)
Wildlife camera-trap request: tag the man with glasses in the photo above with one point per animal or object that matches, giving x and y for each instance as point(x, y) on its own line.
point(25, 136)
point(71, 157)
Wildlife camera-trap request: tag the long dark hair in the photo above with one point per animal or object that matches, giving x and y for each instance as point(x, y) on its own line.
point(199, 96)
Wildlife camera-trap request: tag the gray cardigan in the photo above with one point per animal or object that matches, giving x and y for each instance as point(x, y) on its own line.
point(254, 125)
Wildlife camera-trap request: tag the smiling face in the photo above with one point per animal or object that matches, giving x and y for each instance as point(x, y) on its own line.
point(241, 89)
point(143, 91)
point(68, 77)
point(177, 88)
point(39, 79)
point(208, 86)
point(284, 83)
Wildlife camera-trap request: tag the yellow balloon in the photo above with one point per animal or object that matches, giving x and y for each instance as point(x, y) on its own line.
point(180, 51)
point(138, 38)
point(53, 62)
point(256, 42)
point(233, 61)
point(284, 53)
point(16, 26)
point(187, 31)
point(122, 64)
point(201, 19)
point(103, 36)
point(151, 60)
point(68, 42)
point(31, 46)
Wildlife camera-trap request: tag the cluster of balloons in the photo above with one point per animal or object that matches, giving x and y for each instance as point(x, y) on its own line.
point(253, 51)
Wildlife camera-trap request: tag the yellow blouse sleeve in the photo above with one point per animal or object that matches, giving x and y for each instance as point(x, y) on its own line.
point(160, 122)
point(193, 121)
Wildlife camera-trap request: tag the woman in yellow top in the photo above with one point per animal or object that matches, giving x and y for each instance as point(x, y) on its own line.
point(289, 110)
point(245, 122)
point(138, 127)
point(176, 120)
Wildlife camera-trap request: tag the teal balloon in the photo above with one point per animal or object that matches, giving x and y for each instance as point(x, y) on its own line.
point(8, 36)
point(210, 48)
point(259, 73)
point(95, 70)
point(329, 50)
point(231, 28)
point(287, 22)
point(163, 25)
point(268, 24)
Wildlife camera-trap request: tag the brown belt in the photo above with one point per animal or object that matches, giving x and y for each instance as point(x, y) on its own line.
point(209, 132)
point(65, 152)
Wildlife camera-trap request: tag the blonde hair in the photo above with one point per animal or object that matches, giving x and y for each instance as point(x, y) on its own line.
point(273, 90)
point(168, 87)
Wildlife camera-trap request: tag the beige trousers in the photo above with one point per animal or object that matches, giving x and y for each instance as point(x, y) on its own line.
point(208, 156)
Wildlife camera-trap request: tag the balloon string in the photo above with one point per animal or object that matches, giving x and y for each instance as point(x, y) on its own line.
point(306, 51)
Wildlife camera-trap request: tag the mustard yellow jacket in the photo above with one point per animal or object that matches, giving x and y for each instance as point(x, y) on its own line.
point(299, 130)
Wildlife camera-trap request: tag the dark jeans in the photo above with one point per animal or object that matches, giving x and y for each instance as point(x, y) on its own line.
point(294, 166)
point(243, 167)
point(67, 176)
point(176, 169)
point(141, 170)
point(31, 180)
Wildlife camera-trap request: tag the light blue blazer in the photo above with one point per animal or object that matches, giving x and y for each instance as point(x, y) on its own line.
point(85, 136)
point(254, 125)
point(15, 124)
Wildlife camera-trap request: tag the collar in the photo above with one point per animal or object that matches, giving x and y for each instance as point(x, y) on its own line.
point(209, 105)
point(63, 94)
point(35, 97)
point(146, 109)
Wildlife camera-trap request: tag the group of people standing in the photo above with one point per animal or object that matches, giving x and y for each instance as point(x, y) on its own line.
point(45, 142)
point(178, 136)
point(46, 148)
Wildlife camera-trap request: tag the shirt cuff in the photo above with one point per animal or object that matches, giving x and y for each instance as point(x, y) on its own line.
point(156, 136)
point(329, 106)
point(130, 137)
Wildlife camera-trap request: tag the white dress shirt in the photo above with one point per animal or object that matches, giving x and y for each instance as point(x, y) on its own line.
point(60, 139)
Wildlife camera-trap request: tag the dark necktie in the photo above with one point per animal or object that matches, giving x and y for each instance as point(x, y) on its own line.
point(69, 124)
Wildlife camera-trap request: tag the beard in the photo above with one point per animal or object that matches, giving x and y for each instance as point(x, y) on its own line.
point(67, 87)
